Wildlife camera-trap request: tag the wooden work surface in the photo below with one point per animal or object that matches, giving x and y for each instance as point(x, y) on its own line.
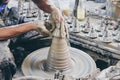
point(112, 48)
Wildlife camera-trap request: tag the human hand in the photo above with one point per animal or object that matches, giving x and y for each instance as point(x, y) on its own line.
point(57, 14)
point(60, 30)
point(41, 27)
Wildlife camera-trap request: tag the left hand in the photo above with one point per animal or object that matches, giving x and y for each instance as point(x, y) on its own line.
point(41, 27)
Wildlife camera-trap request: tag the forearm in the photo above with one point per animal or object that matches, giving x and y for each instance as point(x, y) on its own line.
point(12, 31)
point(45, 5)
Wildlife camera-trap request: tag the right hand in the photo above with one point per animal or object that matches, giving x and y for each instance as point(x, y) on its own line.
point(57, 14)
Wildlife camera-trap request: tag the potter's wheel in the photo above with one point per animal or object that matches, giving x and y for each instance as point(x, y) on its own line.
point(28, 78)
point(83, 64)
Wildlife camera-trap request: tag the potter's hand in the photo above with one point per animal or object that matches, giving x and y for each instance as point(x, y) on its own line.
point(60, 30)
point(57, 14)
point(41, 27)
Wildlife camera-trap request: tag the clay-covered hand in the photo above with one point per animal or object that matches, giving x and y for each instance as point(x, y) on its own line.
point(57, 15)
point(60, 30)
point(41, 27)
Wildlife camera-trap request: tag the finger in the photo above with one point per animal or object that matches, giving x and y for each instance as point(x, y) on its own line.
point(44, 32)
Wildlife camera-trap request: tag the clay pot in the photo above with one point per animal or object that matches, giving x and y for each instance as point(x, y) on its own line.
point(59, 55)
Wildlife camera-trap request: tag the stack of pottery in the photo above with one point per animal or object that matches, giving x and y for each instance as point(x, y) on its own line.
point(92, 33)
point(87, 27)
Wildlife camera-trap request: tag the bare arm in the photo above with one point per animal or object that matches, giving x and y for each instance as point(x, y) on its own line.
point(12, 31)
point(45, 5)
point(49, 7)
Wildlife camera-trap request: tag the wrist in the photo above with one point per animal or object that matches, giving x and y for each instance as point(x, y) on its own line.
point(38, 24)
point(51, 5)
point(54, 9)
point(33, 25)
